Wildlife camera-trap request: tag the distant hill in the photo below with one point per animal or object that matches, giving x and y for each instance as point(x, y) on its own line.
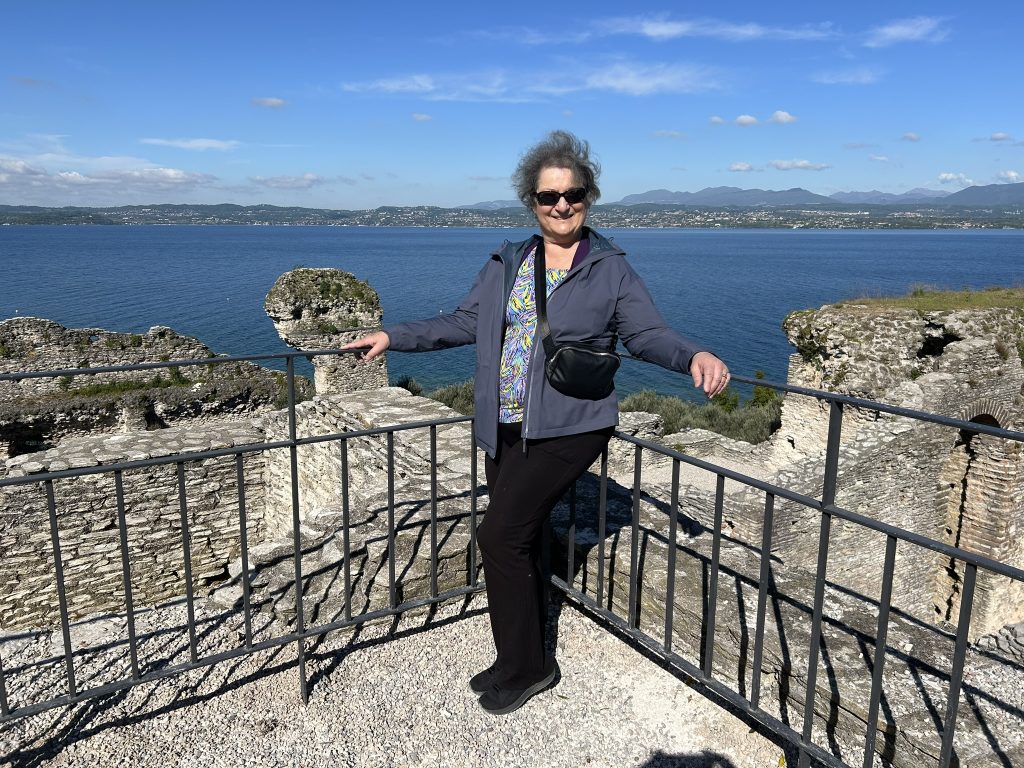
point(726, 196)
point(989, 194)
point(874, 197)
point(491, 205)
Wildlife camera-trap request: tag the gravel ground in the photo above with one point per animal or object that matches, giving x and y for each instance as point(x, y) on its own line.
point(388, 695)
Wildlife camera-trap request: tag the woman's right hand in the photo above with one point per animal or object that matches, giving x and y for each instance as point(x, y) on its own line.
point(374, 343)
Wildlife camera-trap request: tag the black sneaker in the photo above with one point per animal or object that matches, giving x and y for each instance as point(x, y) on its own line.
point(501, 701)
point(481, 682)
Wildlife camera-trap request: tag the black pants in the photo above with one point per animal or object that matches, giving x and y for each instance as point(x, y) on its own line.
point(524, 487)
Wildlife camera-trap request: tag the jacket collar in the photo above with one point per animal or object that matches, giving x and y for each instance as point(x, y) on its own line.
point(512, 254)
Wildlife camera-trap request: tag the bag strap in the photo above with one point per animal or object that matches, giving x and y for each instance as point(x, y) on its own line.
point(540, 297)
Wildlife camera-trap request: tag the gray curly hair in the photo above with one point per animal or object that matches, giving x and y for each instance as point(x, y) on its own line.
point(560, 149)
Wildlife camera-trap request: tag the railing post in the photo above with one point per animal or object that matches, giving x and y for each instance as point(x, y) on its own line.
point(472, 504)
point(670, 587)
point(392, 586)
point(716, 553)
point(62, 600)
point(956, 675)
point(634, 553)
point(346, 543)
point(828, 498)
point(126, 573)
point(762, 597)
point(243, 534)
point(602, 526)
point(293, 454)
point(433, 510)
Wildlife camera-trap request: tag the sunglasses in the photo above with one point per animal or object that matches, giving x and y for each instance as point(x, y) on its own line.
point(572, 196)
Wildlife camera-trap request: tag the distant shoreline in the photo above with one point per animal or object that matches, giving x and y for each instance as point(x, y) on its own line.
point(835, 216)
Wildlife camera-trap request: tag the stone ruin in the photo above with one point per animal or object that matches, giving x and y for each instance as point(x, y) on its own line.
point(323, 309)
point(954, 487)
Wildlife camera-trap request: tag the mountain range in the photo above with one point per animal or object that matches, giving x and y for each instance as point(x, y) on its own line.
point(718, 197)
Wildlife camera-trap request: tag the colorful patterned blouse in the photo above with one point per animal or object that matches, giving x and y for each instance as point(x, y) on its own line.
point(520, 324)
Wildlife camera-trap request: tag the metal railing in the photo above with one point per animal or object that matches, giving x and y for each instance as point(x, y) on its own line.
point(828, 510)
point(302, 632)
point(702, 674)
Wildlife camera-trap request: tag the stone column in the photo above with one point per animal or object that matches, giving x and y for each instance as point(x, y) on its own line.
point(323, 309)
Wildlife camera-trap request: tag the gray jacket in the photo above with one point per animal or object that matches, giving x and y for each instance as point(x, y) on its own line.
point(599, 298)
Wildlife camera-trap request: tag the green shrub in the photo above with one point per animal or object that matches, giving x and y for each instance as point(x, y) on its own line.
point(752, 423)
point(410, 384)
point(458, 397)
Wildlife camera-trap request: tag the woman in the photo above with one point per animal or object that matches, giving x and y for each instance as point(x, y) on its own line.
point(539, 441)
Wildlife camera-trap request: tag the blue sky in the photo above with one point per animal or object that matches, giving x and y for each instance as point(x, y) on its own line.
point(355, 105)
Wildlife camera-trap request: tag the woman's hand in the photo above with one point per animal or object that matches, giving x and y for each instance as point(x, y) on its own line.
point(709, 372)
point(374, 343)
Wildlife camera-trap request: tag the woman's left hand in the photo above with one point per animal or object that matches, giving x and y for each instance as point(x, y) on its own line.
point(709, 373)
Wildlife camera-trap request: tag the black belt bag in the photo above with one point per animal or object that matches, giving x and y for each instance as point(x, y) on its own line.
point(573, 368)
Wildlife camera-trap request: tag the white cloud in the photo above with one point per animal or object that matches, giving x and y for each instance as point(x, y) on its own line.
point(11, 167)
point(645, 79)
point(781, 117)
point(956, 178)
point(927, 29)
point(420, 117)
point(305, 181)
point(798, 165)
point(716, 120)
point(746, 120)
point(662, 27)
point(200, 145)
point(856, 76)
point(741, 167)
point(1000, 136)
point(22, 183)
point(878, 158)
point(668, 134)
point(911, 136)
point(270, 102)
point(1009, 177)
point(631, 78)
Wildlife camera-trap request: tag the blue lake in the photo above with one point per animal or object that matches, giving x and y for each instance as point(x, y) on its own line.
point(730, 289)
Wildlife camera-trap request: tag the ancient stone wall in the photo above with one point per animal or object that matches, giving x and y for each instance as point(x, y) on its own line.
point(88, 527)
point(924, 478)
point(320, 464)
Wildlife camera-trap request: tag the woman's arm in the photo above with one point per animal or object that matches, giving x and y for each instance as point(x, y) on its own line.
point(453, 329)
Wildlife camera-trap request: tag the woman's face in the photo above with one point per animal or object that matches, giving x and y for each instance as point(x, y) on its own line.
point(559, 223)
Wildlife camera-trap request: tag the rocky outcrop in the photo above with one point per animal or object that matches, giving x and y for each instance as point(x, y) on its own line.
point(323, 309)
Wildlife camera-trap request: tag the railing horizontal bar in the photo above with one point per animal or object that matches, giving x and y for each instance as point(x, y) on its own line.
point(405, 427)
point(306, 354)
point(839, 512)
point(218, 452)
point(721, 691)
point(215, 360)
